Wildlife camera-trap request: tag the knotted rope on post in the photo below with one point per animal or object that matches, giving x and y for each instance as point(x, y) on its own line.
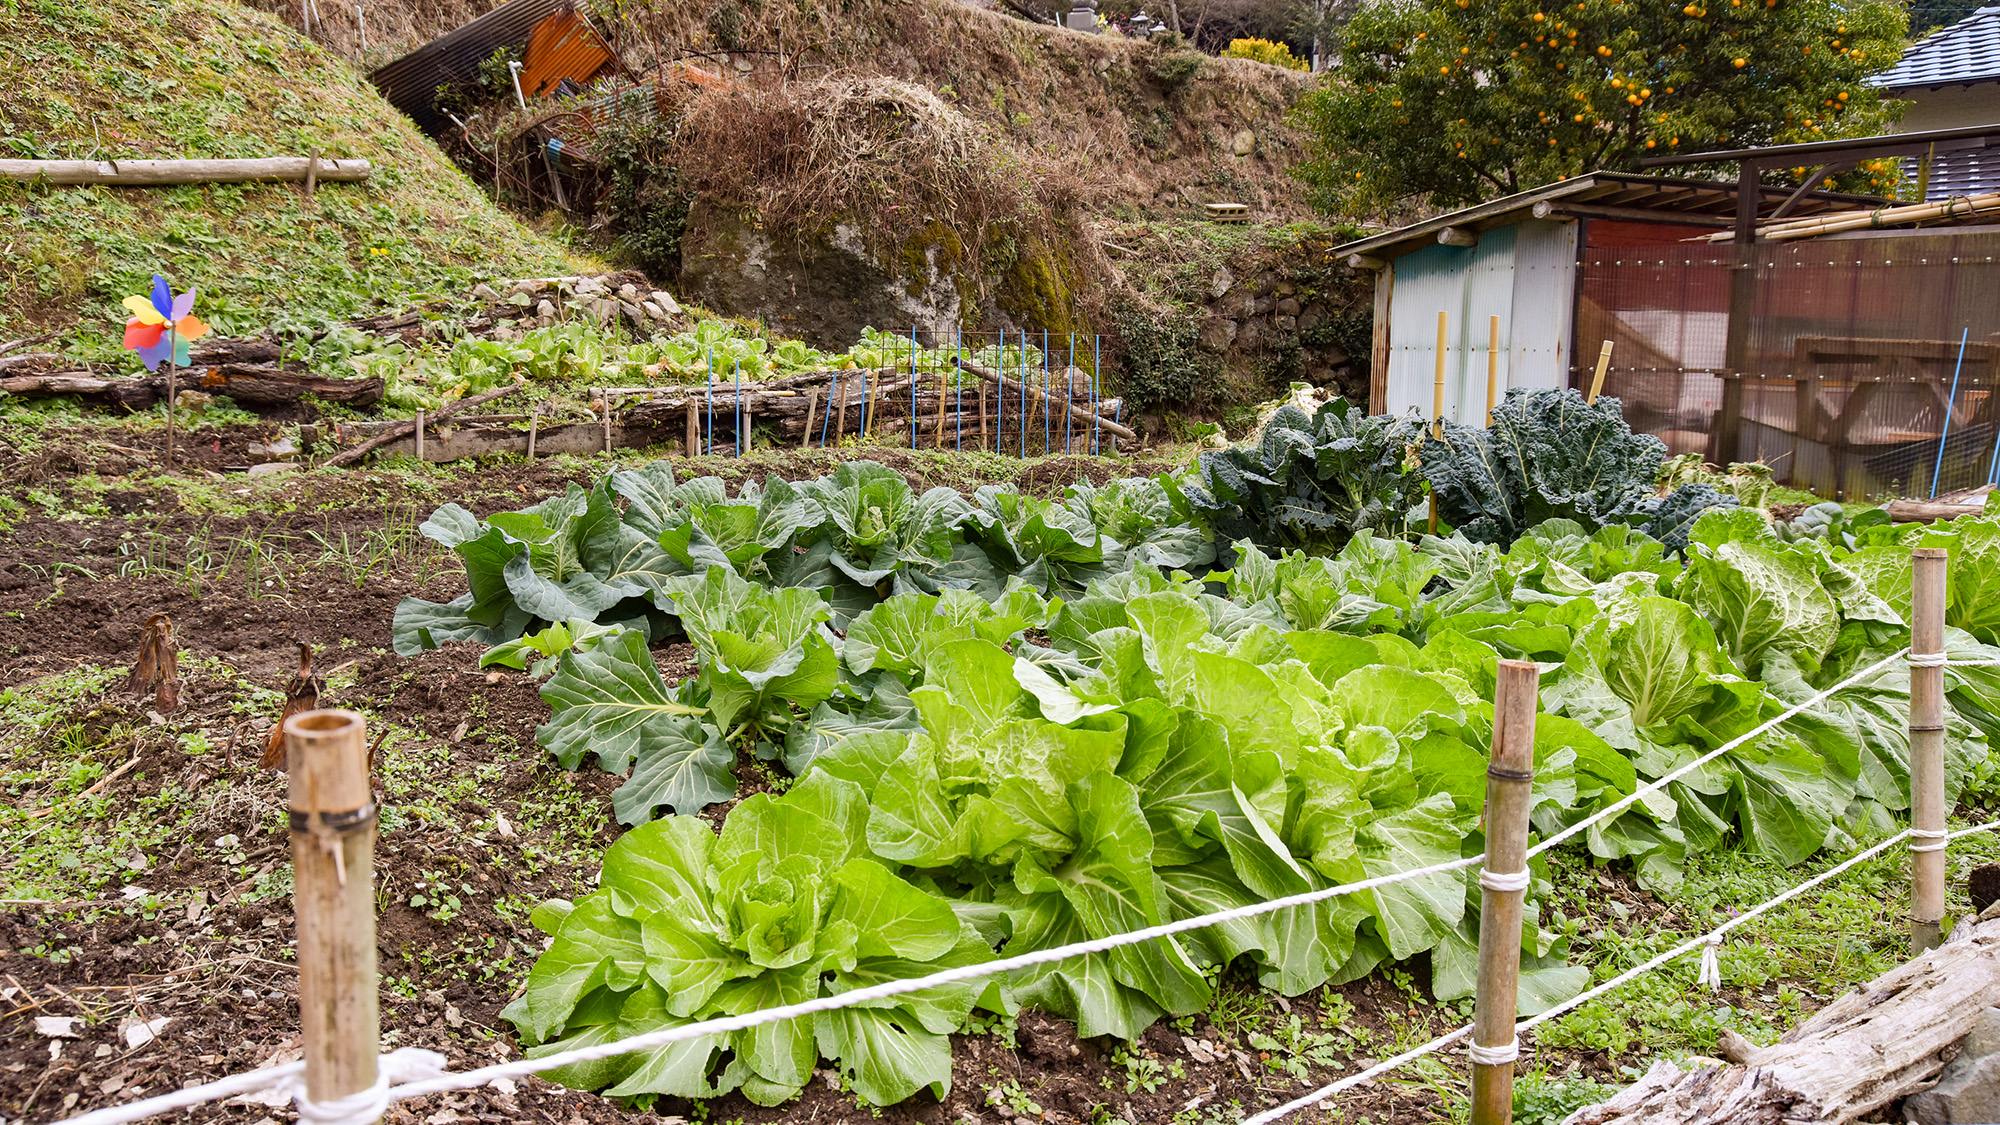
point(1929, 659)
point(1937, 840)
point(1711, 963)
point(365, 1107)
point(1494, 1056)
point(1503, 883)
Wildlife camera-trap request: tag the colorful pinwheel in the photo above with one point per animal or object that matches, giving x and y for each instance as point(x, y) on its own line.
point(162, 326)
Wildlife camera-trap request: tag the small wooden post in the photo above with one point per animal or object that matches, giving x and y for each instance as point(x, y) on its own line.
point(534, 423)
point(840, 416)
point(868, 411)
point(1927, 803)
point(693, 429)
point(1492, 367)
point(333, 861)
point(1509, 795)
point(1437, 384)
point(312, 176)
point(943, 394)
point(420, 435)
point(1603, 365)
point(812, 405)
point(606, 393)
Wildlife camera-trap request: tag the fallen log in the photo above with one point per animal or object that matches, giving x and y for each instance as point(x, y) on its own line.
point(1967, 502)
point(30, 359)
point(244, 382)
point(1884, 1041)
point(409, 426)
point(144, 173)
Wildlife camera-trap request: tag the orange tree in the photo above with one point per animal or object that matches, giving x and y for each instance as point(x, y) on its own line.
point(1446, 102)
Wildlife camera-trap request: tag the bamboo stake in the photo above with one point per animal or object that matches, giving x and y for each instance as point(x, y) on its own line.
point(868, 409)
point(840, 418)
point(333, 860)
point(982, 414)
point(1927, 803)
point(420, 435)
point(1509, 794)
point(534, 425)
point(812, 406)
point(942, 395)
point(1603, 365)
point(605, 394)
point(1437, 408)
point(1492, 366)
point(693, 429)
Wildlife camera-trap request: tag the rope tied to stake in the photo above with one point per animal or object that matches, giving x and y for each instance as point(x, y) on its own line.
point(1929, 659)
point(1711, 963)
point(363, 1107)
point(1510, 881)
point(1494, 1056)
point(1937, 838)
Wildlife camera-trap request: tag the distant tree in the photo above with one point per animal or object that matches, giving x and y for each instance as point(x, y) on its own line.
point(1446, 102)
point(1933, 15)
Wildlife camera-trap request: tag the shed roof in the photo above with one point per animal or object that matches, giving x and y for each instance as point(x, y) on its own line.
point(1966, 52)
point(410, 83)
point(1612, 195)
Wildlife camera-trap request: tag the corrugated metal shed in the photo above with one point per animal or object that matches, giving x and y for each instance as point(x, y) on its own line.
point(410, 83)
point(1966, 52)
point(562, 46)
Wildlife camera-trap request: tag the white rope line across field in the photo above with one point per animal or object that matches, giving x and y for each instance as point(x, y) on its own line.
point(1618, 807)
point(465, 1080)
point(405, 1073)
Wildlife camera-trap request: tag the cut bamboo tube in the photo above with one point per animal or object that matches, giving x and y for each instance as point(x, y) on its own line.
point(982, 414)
point(1958, 207)
point(420, 435)
point(1927, 803)
point(1603, 365)
point(693, 429)
point(534, 428)
point(839, 415)
point(1509, 795)
point(812, 406)
point(1492, 366)
point(868, 409)
point(143, 173)
point(1437, 385)
point(333, 860)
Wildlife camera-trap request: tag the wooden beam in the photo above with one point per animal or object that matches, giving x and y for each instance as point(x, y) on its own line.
point(1365, 262)
point(1547, 209)
point(145, 173)
point(1458, 236)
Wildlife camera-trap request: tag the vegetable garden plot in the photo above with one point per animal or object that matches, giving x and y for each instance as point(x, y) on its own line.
point(1018, 723)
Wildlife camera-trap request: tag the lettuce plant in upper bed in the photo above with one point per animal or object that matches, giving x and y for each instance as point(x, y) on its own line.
point(784, 905)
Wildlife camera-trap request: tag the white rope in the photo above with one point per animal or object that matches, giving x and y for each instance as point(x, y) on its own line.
point(1495, 881)
point(403, 1064)
point(1353, 1080)
point(1972, 663)
point(1987, 827)
point(1715, 934)
point(1937, 838)
point(1711, 964)
point(1494, 1056)
point(1929, 659)
point(1627, 802)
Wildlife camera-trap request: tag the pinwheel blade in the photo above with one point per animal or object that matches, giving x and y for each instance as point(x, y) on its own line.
point(163, 297)
point(183, 305)
point(143, 309)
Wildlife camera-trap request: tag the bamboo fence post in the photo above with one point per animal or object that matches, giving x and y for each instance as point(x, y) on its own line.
point(1437, 408)
point(605, 394)
point(868, 408)
point(982, 414)
point(693, 429)
point(1603, 365)
point(839, 417)
point(534, 425)
point(420, 435)
point(1504, 879)
point(333, 860)
point(1492, 366)
point(943, 394)
point(1927, 803)
point(812, 407)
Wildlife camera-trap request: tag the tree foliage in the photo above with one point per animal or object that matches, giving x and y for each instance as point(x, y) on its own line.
point(1446, 102)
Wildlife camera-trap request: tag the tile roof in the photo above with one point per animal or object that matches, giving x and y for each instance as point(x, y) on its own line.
point(1967, 51)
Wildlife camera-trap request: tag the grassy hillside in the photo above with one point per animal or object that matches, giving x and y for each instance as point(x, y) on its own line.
point(209, 78)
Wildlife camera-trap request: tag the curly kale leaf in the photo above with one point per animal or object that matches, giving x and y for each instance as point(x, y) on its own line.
point(1548, 455)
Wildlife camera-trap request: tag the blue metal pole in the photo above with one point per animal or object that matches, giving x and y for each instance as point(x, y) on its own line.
point(742, 439)
point(913, 385)
point(1938, 465)
point(1024, 394)
point(958, 386)
point(862, 429)
point(1096, 393)
point(1000, 397)
point(709, 447)
point(1069, 392)
point(1048, 420)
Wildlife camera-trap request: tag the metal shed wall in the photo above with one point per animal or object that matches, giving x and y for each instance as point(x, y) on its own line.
point(1524, 274)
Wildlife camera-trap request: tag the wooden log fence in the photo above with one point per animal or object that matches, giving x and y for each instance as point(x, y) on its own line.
point(154, 173)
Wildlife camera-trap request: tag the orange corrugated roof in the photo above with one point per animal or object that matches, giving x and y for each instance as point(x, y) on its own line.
point(562, 46)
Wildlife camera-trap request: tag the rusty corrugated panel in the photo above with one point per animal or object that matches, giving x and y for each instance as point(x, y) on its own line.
point(410, 83)
point(562, 46)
